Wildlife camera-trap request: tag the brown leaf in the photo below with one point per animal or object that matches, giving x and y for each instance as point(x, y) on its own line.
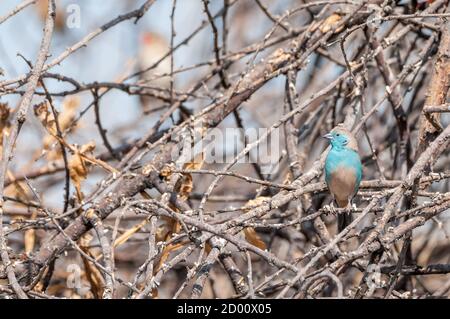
point(250, 234)
point(18, 190)
point(330, 23)
point(164, 230)
point(68, 114)
point(4, 117)
point(4, 123)
point(166, 171)
point(207, 248)
point(78, 167)
point(187, 184)
point(92, 273)
point(130, 232)
point(65, 118)
point(253, 238)
point(254, 203)
point(45, 116)
point(30, 236)
point(166, 252)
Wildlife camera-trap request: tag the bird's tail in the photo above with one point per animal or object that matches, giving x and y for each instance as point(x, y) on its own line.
point(343, 219)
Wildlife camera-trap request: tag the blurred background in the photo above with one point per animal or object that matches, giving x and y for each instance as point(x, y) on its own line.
point(130, 47)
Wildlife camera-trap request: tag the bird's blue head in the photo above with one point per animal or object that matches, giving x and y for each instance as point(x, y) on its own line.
point(338, 139)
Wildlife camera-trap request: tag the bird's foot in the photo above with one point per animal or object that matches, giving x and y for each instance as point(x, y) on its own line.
point(330, 209)
point(350, 206)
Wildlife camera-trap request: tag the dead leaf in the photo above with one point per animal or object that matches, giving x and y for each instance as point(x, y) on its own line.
point(78, 167)
point(330, 23)
point(187, 184)
point(250, 233)
point(47, 120)
point(165, 254)
point(92, 273)
point(130, 232)
point(68, 114)
point(253, 238)
point(18, 190)
point(30, 236)
point(4, 123)
point(165, 172)
point(4, 116)
point(65, 118)
point(255, 202)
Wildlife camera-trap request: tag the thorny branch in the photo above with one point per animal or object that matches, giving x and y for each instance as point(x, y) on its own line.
point(149, 219)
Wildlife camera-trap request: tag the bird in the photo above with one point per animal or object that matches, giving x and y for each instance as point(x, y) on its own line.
point(343, 171)
point(152, 48)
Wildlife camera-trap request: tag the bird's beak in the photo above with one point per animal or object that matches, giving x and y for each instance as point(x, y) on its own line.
point(328, 136)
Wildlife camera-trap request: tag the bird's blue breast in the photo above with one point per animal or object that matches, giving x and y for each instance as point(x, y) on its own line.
point(343, 157)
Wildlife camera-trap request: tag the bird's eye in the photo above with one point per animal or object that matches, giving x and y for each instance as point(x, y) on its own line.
point(337, 134)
